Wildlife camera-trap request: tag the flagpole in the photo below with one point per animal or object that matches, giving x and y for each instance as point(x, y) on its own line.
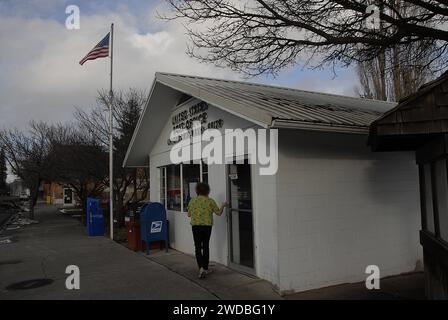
point(111, 156)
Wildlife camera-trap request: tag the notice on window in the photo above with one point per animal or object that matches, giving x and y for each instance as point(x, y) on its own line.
point(233, 176)
point(192, 189)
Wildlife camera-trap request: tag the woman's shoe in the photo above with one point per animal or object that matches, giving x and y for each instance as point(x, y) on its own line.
point(208, 271)
point(202, 273)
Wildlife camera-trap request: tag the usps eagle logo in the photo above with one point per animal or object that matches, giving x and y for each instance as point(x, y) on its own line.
point(156, 226)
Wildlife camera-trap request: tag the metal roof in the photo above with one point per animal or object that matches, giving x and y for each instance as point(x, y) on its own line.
point(273, 106)
point(267, 106)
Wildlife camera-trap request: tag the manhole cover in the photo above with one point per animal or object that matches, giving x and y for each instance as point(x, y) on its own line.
point(29, 284)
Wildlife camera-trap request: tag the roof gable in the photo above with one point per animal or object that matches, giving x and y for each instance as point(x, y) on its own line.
point(424, 112)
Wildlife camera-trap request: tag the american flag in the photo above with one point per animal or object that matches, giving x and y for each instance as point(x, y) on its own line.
point(101, 50)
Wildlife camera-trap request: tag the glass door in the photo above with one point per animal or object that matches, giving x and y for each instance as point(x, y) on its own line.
point(241, 234)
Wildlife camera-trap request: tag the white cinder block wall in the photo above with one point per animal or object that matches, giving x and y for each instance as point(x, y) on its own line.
point(342, 207)
point(333, 208)
point(265, 219)
point(181, 237)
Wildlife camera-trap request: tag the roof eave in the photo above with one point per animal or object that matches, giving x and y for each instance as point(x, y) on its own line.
point(136, 130)
point(313, 126)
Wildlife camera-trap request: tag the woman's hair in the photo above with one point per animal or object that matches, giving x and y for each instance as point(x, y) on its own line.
point(202, 189)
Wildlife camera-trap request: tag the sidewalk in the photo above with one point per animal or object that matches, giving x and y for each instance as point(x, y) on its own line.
point(402, 287)
point(227, 284)
point(108, 270)
point(223, 282)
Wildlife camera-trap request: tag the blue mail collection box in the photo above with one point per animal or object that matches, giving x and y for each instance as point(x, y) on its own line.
point(153, 224)
point(95, 218)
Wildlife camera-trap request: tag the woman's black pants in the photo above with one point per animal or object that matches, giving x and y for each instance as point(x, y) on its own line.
point(201, 236)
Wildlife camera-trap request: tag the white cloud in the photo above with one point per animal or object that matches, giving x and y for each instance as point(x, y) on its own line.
point(153, 43)
point(343, 84)
point(40, 77)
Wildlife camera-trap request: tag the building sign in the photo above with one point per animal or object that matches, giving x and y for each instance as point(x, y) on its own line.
point(183, 120)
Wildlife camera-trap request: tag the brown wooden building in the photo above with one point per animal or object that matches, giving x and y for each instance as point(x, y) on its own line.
point(57, 193)
point(420, 123)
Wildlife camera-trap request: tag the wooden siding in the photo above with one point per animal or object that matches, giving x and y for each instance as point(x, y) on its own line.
point(423, 114)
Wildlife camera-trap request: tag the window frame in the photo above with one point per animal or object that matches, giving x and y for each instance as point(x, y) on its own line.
point(434, 190)
point(166, 185)
point(162, 172)
point(164, 168)
point(435, 195)
point(202, 173)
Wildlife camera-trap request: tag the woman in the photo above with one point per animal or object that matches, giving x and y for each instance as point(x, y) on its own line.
point(200, 210)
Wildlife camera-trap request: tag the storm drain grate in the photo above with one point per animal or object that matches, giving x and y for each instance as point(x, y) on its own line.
point(29, 284)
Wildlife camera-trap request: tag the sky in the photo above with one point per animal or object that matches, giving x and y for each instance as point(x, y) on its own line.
point(41, 79)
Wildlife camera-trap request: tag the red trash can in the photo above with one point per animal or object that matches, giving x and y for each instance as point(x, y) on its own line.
point(133, 231)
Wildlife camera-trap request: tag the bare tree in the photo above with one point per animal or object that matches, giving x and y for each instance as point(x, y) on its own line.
point(385, 78)
point(78, 161)
point(392, 74)
point(27, 155)
point(372, 79)
point(265, 36)
point(130, 184)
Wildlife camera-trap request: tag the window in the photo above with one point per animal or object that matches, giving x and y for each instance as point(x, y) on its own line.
point(204, 167)
point(191, 174)
point(441, 187)
point(173, 194)
point(428, 200)
point(163, 186)
point(178, 184)
point(434, 186)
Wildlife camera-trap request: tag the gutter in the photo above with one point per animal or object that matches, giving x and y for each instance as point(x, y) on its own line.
point(316, 126)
